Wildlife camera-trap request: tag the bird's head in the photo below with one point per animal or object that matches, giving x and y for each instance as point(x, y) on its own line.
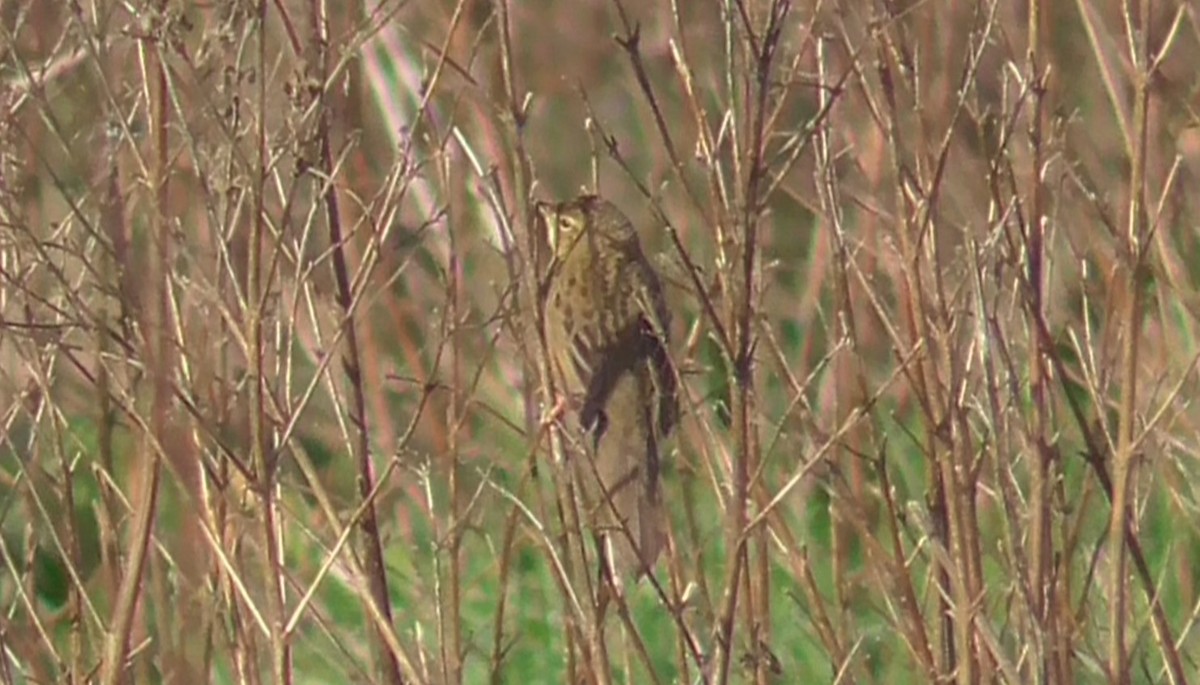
point(599, 219)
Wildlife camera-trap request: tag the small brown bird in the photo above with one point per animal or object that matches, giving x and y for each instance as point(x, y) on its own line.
point(606, 328)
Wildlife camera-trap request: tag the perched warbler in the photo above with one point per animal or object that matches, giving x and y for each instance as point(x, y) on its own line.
point(606, 330)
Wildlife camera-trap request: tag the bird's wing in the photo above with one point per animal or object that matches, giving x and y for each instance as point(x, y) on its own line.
point(642, 347)
point(654, 331)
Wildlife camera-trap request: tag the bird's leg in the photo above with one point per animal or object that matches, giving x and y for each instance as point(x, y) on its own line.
point(555, 412)
point(591, 415)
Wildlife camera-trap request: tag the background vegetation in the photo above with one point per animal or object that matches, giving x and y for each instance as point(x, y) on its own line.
point(271, 398)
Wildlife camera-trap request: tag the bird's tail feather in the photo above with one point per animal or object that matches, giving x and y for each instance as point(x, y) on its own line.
point(625, 498)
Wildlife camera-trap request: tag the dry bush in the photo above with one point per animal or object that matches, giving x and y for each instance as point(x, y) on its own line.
point(272, 388)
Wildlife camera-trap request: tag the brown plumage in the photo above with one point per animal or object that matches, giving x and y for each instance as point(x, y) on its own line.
point(606, 328)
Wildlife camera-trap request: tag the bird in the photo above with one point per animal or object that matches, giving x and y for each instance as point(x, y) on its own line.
point(607, 333)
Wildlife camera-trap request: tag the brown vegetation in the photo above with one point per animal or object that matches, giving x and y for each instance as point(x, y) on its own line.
point(272, 398)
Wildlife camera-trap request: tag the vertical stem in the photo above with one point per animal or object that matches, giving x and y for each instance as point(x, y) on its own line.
point(387, 662)
point(584, 664)
point(939, 475)
point(260, 457)
point(453, 651)
point(1131, 323)
point(158, 348)
point(1039, 533)
point(1054, 659)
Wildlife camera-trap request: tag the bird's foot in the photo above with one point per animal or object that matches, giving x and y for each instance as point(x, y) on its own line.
point(555, 412)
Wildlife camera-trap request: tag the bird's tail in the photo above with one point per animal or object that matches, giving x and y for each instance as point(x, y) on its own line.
point(625, 496)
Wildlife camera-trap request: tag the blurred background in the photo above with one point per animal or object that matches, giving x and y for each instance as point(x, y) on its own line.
point(271, 378)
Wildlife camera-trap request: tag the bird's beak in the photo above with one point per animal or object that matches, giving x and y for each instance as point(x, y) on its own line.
point(548, 213)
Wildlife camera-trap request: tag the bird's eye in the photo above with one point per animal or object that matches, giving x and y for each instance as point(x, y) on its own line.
point(567, 223)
